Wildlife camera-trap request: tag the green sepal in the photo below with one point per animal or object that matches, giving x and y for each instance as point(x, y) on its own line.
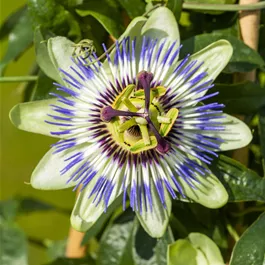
point(31, 116)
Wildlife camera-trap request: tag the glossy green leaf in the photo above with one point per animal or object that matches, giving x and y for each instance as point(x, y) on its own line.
point(244, 59)
point(11, 21)
point(176, 7)
point(241, 98)
point(56, 249)
point(242, 184)
point(181, 253)
point(13, 245)
point(214, 12)
point(28, 205)
point(155, 222)
point(250, 248)
point(133, 8)
point(31, 116)
point(150, 251)
point(108, 16)
point(115, 244)
point(43, 87)
point(20, 38)
point(42, 56)
point(53, 16)
point(262, 132)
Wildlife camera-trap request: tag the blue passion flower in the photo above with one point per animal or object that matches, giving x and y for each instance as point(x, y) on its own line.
point(136, 127)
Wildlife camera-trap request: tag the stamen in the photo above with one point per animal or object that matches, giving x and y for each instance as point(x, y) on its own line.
point(163, 146)
point(107, 113)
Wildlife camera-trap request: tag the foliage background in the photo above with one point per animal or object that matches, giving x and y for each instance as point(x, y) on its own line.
point(19, 156)
point(44, 224)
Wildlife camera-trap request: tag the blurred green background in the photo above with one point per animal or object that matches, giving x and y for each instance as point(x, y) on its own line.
point(20, 153)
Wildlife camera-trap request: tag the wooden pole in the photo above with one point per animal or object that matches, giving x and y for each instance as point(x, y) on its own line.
point(73, 246)
point(249, 30)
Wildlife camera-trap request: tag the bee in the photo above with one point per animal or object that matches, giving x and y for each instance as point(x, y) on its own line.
point(83, 49)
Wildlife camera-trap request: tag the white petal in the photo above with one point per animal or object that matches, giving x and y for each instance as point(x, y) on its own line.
point(155, 222)
point(213, 58)
point(236, 135)
point(162, 25)
point(46, 176)
point(31, 116)
point(87, 209)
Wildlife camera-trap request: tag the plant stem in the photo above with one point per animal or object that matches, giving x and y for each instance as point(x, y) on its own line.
point(232, 232)
point(249, 210)
point(223, 7)
point(15, 79)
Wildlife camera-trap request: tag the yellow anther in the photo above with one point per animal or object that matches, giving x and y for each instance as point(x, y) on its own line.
point(166, 127)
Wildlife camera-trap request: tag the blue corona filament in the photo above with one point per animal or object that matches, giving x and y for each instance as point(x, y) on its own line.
point(95, 159)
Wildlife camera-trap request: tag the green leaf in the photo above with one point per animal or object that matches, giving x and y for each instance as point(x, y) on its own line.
point(28, 205)
point(56, 249)
point(13, 245)
point(43, 87)
point(150, 251)
point(250, 248)
point(19, 39)
point(109, 17)
point(8, 210)
point(242, 98)
point(11, 21)
point(262, 132)
point(53, 16)
point(176, 7)
point(244, 59)
point(133, 8)
point(242, 184)
point(211, 2)
point(115, 244)
point(42, 55)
